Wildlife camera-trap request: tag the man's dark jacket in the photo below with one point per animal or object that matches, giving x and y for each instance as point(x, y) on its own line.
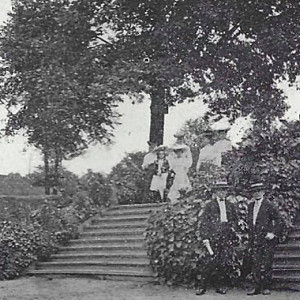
point(268, 220)
point(211, 226)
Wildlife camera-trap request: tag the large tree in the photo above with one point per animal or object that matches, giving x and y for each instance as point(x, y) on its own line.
point(51, 79)
point(234, 52)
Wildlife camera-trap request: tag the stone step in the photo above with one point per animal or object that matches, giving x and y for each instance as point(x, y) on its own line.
point(112, 232)
point(129, 212)
point(296, 228)
point(289, 246)
point(287, 256)
point(286, 272)
point(117, 226)
point(151, 206)
point(102, 248)
point(121, 219)
point(283, 267)
point(121, 255)
point(120, 240)
point(286, 278)
point(95, 264)
point(294, 236)
point(103, 274)
point(112, 246)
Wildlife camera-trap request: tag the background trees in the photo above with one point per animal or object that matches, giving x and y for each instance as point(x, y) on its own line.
point(64, 81)
point(50, 83)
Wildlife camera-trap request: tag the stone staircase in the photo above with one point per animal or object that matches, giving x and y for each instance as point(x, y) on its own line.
point(286, 266)
point(110, 246)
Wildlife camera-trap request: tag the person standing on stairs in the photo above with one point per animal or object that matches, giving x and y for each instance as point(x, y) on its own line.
point(218, 229)
point(180, 159)
point(265, 228)
point(160, 170)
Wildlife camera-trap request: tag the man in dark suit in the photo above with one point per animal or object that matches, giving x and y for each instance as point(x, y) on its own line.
point(218, 224)
point(265, 227)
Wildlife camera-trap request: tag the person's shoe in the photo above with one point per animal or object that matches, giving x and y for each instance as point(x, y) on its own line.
point(266, 292)
point(200, 292)
point(222, 291)
point(254, 292)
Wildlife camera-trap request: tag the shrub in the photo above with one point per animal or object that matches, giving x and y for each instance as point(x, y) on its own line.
point(97, 187)
point(269, 155)
point(32, 230)
point(20, 245)
point(131, 181)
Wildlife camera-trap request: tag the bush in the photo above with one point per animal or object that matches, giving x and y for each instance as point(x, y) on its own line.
point(132, 183)
point(97, 187)
point(20, 245)
point(270, 155)
point(32, 230)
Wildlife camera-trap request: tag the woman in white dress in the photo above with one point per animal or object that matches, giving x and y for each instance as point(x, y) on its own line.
point(180, 161)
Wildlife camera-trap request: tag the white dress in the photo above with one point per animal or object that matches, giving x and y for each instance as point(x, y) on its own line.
point(159, 181)
point(180, 165)
point(212, 154)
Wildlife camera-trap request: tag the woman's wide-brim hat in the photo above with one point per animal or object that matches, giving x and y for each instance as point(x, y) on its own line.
point(160, 148)
point(220, 185)
point(179, 147)
point(179, 135)
point(221, 126)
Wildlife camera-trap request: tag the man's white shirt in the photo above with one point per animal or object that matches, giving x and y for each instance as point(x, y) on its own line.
point(257, 205)
point(223, 212)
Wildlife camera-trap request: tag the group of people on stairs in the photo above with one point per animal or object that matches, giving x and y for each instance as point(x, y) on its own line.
point(169, 180)
point(169, 166)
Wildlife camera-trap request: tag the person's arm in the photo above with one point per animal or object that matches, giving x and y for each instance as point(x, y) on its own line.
point(149, 159)
point(277, 222)
point(200, 160)
point(189, 158)
point(205, 228)
point(235, 218)
point(206, 222)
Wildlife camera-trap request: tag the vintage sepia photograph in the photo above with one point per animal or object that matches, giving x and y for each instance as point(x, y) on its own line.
point(149, 149)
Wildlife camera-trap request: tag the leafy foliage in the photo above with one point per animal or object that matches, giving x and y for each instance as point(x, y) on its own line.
point(270, 155)
point(66, 184)
point(132, 183)
point(98, 187)
point(20, 245)
point(232, 53)
point(15, 184)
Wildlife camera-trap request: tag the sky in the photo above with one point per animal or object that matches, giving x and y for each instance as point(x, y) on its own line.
point(16, 156)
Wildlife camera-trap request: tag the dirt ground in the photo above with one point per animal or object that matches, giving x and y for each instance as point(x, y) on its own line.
point(32, 288)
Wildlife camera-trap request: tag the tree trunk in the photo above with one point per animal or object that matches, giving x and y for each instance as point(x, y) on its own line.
point(47, 169)
point(157, 111)
point(57, 163)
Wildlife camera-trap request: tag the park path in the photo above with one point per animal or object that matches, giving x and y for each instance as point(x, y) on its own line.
point(33, 288)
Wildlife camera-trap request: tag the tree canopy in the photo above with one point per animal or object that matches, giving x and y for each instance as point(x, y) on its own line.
point(49, 76)
point(234, 52)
